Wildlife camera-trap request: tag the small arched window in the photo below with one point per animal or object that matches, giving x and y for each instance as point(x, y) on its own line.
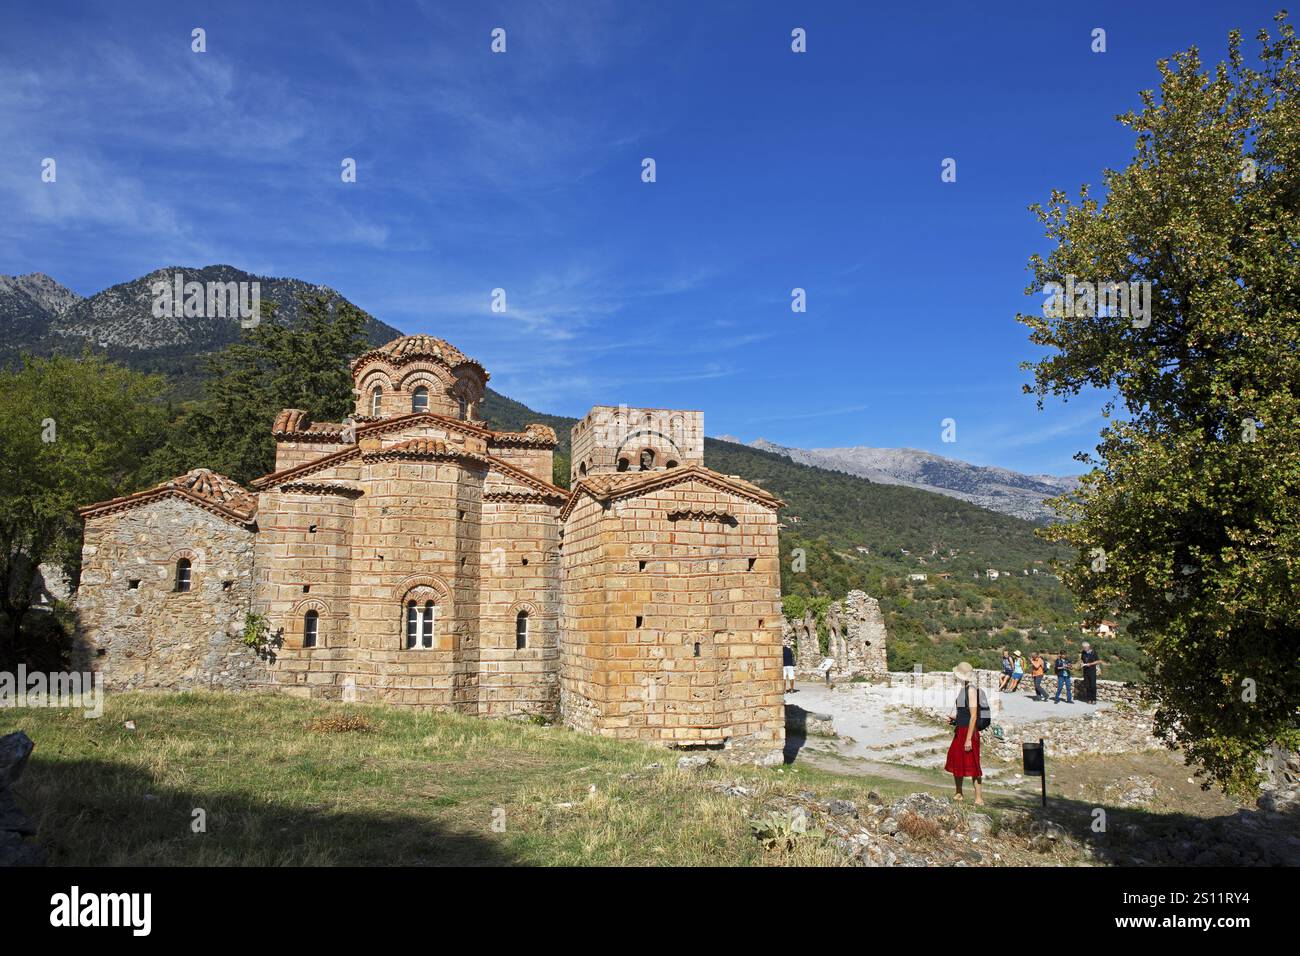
point(420, 400)
point(462, 408)
point(622, 464)
point(521, 630)
point(310, 628)
point(183, 574)
point(376, 401)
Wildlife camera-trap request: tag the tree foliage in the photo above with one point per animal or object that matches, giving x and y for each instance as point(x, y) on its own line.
point(1187, 522)
point(73, 432)
point(274, 365)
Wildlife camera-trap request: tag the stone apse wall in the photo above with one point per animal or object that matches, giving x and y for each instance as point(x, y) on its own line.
point(672, 619)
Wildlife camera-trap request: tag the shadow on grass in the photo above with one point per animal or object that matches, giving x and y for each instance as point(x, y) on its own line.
point(93, 813)
point(1133, 836)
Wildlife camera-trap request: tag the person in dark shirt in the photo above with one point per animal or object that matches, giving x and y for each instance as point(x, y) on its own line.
point(787, 668)
point(1091, 661)
point(1063, 679)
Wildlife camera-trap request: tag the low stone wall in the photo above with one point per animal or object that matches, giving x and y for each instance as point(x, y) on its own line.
point(1111, 691)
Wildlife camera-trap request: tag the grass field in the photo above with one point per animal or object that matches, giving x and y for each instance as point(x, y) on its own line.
point(283, 782)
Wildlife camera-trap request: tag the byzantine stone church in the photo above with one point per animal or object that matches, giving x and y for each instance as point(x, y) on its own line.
point(412, 555)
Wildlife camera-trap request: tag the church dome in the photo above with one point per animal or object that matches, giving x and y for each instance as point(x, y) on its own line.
point(410, 348)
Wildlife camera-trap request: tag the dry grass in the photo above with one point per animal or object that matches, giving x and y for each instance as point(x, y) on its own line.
point(344, 723)
point(284, 781)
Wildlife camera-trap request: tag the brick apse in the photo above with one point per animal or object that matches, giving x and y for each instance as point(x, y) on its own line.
point(414, 556)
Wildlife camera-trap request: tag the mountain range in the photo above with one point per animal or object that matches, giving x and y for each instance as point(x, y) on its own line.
point(41, 316)
point(998, 489)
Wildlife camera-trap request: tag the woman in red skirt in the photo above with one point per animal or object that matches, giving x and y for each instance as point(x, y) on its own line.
point(964, 751)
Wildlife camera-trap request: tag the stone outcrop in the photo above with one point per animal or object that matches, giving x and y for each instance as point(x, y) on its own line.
point(1281, 787)
point(15, 849)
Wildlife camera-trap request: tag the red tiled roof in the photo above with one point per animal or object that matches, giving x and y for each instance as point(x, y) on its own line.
point(625, 484)
point(535, 434)
point(207, 489)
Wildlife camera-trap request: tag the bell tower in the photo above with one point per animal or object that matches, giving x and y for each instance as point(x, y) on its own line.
point(612, 439)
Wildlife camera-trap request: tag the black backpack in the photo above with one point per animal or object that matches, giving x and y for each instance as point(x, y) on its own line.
point(983, 716)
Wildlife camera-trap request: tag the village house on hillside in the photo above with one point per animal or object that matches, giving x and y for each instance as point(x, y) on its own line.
point(412, 555)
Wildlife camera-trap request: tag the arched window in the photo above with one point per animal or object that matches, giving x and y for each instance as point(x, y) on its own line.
point(420, 623)
point(376, 401)
point(183, 574)
point(521, 630)
point(622, 464)
point(310, 628)
point(462, 408)
point(420, 400)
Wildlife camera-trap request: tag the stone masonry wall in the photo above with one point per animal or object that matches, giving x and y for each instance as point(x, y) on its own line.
point(150, 635)
point(676, 618)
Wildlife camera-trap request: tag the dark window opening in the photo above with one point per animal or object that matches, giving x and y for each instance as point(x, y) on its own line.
point(227, 585)
point(751, 564)
point(697, 648)
point(311, 529)
point(622, 464)
point(638, 620)
point(183, 574)
point(306, 588)
point(420, 400)
point(412, 625)
point(642, 566)
point(521, 630)
point(133, 584)
point(525, 561)
point(310, 628)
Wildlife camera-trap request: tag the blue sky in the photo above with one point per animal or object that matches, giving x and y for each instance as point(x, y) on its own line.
point(522, 171)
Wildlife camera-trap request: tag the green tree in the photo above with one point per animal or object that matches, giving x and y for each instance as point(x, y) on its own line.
point(73, 432)
point(1187, 522)
point(273, 366)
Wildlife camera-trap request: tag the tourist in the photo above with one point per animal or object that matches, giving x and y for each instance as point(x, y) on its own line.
point(828, 663)
point(1017, 672)
point(1036, 670)
point(964, 751)
point(1006, 669)
point(1088, 657)
point(787, 667)
point(1063, 678)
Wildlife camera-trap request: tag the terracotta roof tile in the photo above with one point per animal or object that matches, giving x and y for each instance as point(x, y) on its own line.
point(411, 347)
point(204, 487)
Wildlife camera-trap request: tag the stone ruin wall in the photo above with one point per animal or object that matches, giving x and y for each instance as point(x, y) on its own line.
point(856, 641)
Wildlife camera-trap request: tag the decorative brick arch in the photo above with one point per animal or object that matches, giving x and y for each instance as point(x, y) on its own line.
point(431, 374)
point(194, 557)
point(532, 609)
